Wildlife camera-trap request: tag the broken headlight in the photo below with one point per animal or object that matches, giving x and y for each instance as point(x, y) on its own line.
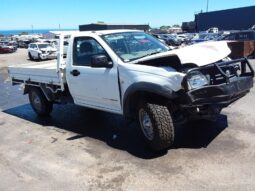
point(196, 80)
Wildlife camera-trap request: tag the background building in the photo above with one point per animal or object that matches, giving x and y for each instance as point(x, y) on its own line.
point(105, 26)
point(230, 19)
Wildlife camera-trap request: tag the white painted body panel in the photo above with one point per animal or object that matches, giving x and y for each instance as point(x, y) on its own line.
point(95, 87)
point(203, 53)
point(43, 72)
point(162, 76)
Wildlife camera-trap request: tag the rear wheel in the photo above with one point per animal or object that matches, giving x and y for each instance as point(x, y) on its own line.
point(157, 126)
point(39, 103)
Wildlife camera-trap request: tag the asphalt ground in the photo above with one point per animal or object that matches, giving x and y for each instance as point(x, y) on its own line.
point(84, 149)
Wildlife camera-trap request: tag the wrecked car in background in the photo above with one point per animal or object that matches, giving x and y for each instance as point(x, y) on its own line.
point(129, 72)
point(41, 51)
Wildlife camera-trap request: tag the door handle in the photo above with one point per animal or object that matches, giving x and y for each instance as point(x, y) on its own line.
point(75, 73)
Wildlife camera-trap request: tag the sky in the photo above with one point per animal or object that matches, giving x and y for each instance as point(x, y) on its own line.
point(69, 14)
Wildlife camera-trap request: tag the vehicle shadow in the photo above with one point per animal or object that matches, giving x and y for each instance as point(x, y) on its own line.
point(200, 133)
point(115, 131)
point(38, 60)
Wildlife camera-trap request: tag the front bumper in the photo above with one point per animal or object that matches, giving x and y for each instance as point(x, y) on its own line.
point(229, 89)
point(45, 56)
point(223, 94)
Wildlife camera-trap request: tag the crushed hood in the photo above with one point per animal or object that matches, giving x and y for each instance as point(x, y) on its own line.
point(200, 54)
point(203, 53)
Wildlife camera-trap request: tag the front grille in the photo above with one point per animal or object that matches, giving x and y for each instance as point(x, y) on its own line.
point(224, 72)
point(216, 76)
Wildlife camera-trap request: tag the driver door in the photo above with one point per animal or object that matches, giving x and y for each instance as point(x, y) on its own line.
point(92, 87)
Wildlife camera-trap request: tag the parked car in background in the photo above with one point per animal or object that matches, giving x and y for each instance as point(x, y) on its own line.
point(55, 44)
point(241, 36)
point(180, 37)
point(5, 48)
point(170, 39)
point(213, 30)
point(14, 44)
point(159, 38)
point(203, 37)
point(41, 51)
point(24, 43)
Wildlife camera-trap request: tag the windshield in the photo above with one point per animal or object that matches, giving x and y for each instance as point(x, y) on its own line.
point(44, 46)
point(134, 45)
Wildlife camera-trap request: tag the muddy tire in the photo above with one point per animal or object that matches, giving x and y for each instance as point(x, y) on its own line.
point(157, 126)
point(39, 102)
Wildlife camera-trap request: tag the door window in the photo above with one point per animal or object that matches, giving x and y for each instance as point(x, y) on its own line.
point(84, 49)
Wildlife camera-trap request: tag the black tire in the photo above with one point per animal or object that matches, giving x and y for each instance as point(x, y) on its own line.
point(30, 56)
point(39, 103)
point(39, 58)
point(161, 123)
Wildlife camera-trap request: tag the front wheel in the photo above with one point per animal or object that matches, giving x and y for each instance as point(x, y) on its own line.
point(39, 103)
point(157, 126)
point(30, 56)
point(39, 57)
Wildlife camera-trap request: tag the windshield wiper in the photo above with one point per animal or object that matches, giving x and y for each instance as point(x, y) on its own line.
point(152, 53)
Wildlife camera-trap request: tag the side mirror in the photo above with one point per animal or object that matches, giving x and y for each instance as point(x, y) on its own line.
point(100, 61)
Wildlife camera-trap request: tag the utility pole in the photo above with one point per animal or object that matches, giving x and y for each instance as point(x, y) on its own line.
point(207, 5)
point(32, 26)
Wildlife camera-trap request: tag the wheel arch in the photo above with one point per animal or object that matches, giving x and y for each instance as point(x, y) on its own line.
point(46, 92)
point(145, 91)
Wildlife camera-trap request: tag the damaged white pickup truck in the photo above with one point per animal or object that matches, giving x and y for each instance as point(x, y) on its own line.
point(131, 73)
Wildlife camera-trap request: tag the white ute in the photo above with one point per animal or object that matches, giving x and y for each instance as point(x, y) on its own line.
point(131, 73)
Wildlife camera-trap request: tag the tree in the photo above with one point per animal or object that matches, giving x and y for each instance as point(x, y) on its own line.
point(23, 33)
point(164, 27)
point(176, 25)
